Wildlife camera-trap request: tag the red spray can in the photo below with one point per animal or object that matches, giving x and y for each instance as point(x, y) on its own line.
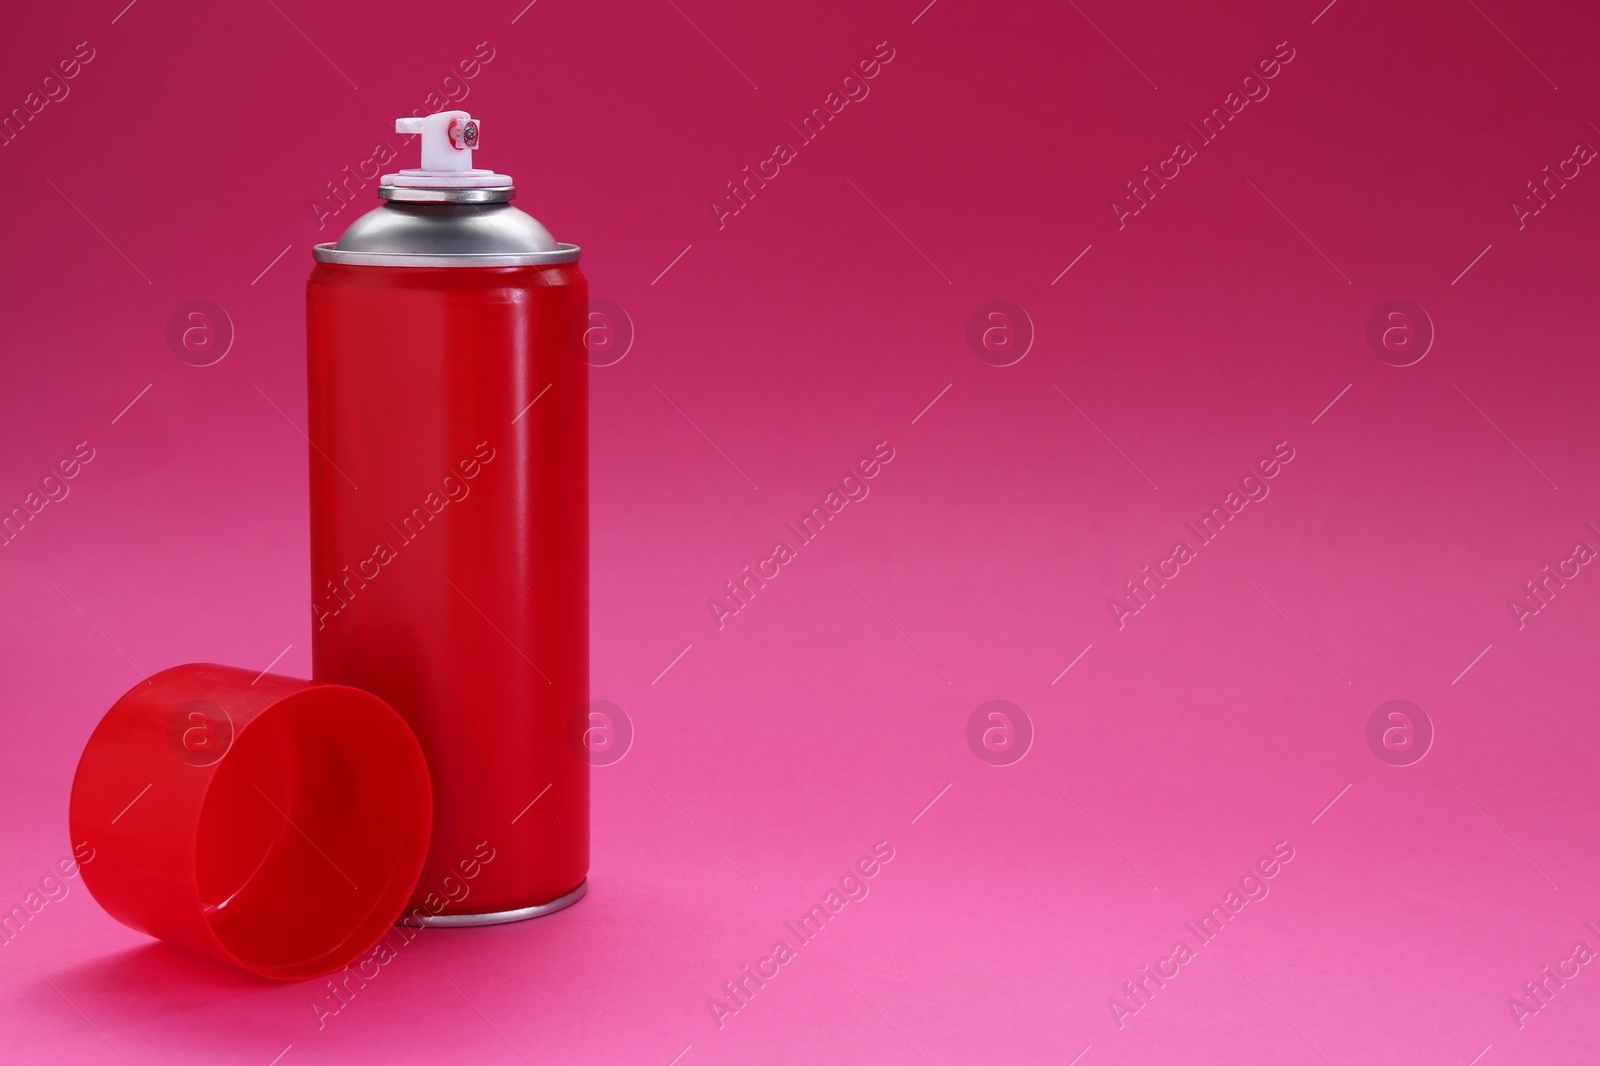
point(449, 516)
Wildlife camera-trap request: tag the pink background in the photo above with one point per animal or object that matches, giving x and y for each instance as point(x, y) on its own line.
point(821, 319)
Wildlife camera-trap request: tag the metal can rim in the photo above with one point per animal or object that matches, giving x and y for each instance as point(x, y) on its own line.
point(470, 194)
point(331, 253)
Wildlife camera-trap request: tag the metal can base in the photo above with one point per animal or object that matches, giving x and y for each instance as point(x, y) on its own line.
point(501, 917)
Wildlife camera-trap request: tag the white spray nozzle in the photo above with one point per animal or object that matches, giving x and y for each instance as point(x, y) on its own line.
point(448, 140)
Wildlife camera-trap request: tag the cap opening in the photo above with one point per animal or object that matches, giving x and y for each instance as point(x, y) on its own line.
point(313, 833)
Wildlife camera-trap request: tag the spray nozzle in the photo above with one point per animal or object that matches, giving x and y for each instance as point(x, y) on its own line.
point(448, 140)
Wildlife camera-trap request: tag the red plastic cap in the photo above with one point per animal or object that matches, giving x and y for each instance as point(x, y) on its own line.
point(274, 823)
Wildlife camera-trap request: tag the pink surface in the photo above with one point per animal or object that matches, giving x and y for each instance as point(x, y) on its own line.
point(1231, 713)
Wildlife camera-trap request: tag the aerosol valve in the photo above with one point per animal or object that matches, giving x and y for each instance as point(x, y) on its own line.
point(448, 140)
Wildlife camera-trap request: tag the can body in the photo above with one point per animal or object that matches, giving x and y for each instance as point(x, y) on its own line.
point(448, 423)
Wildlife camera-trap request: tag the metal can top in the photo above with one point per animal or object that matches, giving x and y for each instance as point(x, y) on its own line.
point(446, 234)
point(446, 213)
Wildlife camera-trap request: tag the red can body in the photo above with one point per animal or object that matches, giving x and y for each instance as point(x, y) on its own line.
point(449, 553)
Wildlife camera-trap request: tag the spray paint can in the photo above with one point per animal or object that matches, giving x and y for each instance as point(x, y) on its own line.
point(448, 424)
